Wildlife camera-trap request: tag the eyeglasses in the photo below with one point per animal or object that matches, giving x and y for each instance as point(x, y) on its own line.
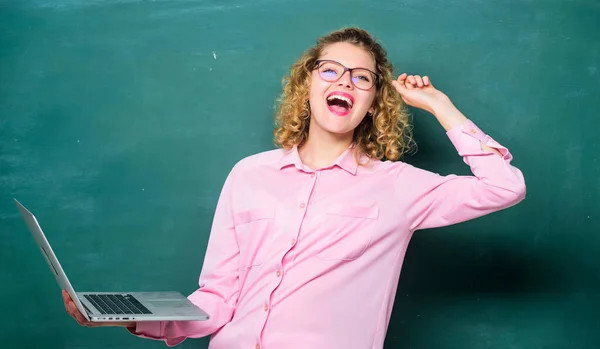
point(332, 71)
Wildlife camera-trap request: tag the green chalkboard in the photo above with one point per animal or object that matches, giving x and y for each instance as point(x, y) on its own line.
point(119, 121)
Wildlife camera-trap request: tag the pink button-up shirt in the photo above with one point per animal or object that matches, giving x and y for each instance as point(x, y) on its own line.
point(300, 258)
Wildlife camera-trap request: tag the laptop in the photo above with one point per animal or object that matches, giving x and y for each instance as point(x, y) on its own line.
point(115, 306)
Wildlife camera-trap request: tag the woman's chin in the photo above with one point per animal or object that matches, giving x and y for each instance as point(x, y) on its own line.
point(340, 131)
point(334, 124)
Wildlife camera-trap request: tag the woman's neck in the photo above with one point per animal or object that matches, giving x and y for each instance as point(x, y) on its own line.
point(322, 150)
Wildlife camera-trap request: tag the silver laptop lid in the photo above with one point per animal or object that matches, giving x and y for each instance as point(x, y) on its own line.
point(49, 256)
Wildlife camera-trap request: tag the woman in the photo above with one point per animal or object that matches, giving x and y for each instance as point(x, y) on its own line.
point(308, 240)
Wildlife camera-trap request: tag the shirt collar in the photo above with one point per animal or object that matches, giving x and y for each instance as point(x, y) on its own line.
point(345, 161)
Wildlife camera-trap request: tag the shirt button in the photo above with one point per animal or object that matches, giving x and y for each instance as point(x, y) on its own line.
point(473, 131)
point(266, 307)
point(257, 346)
point(292, 241)
point(278, 273)
point(312, 175)
point(302, 205)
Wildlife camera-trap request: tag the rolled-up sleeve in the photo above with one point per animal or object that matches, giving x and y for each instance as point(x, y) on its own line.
point(436, 200)
point(219, 286)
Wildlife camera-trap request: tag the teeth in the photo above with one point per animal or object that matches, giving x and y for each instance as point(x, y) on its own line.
point(347, 100)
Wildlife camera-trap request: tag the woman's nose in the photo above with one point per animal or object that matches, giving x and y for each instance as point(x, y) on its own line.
point(345, 80)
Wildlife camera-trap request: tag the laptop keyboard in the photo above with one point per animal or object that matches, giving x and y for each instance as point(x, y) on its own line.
point(117, 304)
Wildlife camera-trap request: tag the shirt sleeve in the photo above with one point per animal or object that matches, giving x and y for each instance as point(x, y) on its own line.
point(219, 286)
point(436, 200)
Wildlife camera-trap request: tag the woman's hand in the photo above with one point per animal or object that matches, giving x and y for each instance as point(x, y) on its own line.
point(76, 314)
point(418, 92)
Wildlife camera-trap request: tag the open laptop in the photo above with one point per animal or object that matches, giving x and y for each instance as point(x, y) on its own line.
point(115, 306)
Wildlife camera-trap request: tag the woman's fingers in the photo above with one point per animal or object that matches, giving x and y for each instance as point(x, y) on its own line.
point(419, 81)
point(72, 309)
point(68, 304)
point(65, 296)
point(77, 314)
point(406, 82)
point(413, 81)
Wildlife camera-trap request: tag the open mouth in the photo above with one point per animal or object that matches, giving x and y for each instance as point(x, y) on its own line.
point(340, 103)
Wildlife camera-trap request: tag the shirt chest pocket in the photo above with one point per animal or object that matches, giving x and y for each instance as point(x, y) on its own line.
point(348, 231)
point(254, 233)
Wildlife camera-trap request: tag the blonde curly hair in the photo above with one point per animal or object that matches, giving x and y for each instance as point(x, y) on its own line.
point(387, 134)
